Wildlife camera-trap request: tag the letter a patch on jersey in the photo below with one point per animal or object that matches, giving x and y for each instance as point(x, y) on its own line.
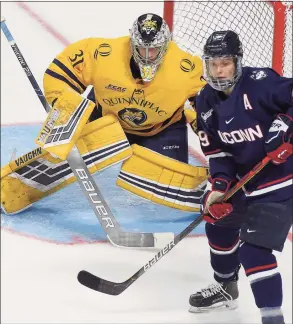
point(247, 104)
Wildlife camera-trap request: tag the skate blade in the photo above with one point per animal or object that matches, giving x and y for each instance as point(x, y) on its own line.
point(227, 305)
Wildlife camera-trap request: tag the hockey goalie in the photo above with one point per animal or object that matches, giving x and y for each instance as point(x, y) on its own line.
point(134, 113)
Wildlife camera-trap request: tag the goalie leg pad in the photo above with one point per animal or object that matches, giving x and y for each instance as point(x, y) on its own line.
point(163, 180)
point(104, 142)
point(38, 174)
point(14, 197)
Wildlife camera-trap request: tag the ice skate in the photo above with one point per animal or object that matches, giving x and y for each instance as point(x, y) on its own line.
point(214, 297)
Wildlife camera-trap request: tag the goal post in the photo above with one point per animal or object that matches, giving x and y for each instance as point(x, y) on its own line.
point(282, 46)
point(265, 28)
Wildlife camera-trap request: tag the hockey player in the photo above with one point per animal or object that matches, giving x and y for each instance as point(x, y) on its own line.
point(142, 81)
point(244, 114)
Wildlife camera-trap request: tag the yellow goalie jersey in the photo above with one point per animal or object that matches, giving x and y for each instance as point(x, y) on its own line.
point(142, 109)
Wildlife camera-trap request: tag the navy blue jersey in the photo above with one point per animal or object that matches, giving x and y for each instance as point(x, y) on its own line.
point(232, 131)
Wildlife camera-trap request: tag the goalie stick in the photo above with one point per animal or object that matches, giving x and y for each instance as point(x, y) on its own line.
point(114, 232)
point(116, 288)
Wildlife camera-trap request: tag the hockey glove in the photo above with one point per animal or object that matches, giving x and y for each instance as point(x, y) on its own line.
point(213, 209)
point(278, 144)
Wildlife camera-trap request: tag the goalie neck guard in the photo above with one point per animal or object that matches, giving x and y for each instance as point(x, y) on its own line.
point(150, 36)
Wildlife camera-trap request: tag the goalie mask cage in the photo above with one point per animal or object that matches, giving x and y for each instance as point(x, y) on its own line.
point(264, 27)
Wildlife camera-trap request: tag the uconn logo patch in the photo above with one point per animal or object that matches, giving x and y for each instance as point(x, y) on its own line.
point(258, 75)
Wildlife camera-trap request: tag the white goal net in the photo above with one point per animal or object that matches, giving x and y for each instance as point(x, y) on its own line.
point(265, 28)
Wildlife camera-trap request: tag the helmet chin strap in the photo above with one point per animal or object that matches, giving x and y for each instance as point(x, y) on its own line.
point(229, 90)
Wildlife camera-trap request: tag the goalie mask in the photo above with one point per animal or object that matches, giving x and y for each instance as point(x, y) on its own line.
point(150, 36)
point(222, 56)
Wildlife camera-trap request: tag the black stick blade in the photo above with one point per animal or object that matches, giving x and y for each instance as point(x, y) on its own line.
point(104, 286)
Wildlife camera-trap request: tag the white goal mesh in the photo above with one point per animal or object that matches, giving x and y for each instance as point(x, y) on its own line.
point(265, 28)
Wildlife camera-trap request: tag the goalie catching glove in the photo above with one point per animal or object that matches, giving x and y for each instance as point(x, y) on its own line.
point(213, 208)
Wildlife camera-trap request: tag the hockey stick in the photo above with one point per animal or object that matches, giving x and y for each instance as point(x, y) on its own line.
point(115, 288)
point(89, 187)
